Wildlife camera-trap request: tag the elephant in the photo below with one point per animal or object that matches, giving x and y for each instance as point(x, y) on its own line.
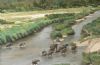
point(21, 45)
point(53, 47)
point(44, 53)
point(73, 48)
point(8, 45)
point(62, 47)
point(50, 53)
point(63, 51)
point(35, 62)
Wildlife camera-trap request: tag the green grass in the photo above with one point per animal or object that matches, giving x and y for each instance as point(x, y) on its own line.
point(23, 29)
point(95, 58)
point(17, 32)
point(64, 27)
point(93, 28)
point(5, 22)
point(67, 20)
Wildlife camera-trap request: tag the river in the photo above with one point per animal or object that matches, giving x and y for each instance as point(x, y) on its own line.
point(41, 41)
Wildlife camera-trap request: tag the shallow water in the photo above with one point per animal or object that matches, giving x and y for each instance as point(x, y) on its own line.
point(41, 41)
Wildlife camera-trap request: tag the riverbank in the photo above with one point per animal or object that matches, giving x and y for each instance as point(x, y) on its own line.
point(30, 27)
point(92, 29)
point(91, 38)
point(39, 42)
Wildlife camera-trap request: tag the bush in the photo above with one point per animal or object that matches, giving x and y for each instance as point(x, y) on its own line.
point(95, 58)
point(5, 22)
point(93, 27)
point(59, 27)
point(56, 34)
point(17, 32)
point(67, 31)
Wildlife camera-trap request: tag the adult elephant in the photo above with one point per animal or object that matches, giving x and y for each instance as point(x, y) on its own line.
point(62, 47)
point(9, 45)
point(35, 62)
point(44, 53)
point(22, 45)
point(73, 47)
point(54, 47)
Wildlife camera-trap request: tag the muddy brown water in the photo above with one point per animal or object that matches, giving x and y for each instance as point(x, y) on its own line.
point(41, 41)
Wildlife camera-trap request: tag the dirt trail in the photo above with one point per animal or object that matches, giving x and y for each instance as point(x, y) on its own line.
point(31, 16)
point(93, 45)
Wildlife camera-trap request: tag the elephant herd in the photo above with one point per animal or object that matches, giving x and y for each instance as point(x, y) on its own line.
point(21, 45)
point(53, 49)
point(56, 48)
point(59, 48)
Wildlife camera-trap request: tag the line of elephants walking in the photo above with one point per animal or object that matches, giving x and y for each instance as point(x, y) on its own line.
point(21, 45)
point(54, 48)
point(59, 48)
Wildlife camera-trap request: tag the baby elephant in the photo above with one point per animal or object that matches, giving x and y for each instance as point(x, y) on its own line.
point(74, 48)
point(8, 45)
point(22, 45)
point(35, 62)
point(44, 53)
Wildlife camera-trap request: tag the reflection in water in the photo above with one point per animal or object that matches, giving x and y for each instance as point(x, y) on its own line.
point(41, 41)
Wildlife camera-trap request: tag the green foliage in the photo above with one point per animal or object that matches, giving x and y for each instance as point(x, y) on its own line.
point(63, 27)
point(56, 34)
point(59, 27)
point(66, 20)
point(5, 22)
point(94, 57)
point(93, 27)
point(17, 32)
point(67, 31)
point(24, 5)
point(2, 11)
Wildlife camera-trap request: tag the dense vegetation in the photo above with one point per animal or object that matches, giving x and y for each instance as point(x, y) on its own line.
point(22, 5)
point(93, 28)
point(5, 22)
point(63, 28)
point(93, 58)
point(62, 23)
point(22, 30)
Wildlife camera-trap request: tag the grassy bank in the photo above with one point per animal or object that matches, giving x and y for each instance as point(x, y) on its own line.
point(17, 30)
point(93, 28)
point(20, 31)
point(93, 57)
point(63, 29)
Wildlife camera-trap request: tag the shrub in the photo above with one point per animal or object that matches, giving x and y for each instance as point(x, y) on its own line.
point(67, 31)
point(93, 27)
point(94, 57)
point(59, 27)
point(56, 34)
